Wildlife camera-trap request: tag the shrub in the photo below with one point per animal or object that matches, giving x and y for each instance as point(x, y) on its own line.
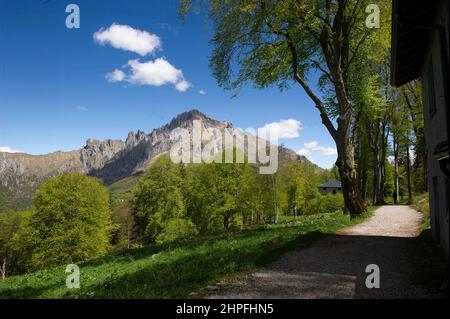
point(421, 203)
point(176, 229)
point(331, 203)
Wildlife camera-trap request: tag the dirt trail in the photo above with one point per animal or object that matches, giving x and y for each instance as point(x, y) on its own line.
point(335, 266)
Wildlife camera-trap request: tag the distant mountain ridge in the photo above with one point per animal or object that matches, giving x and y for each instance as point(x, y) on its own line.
point(111, 160)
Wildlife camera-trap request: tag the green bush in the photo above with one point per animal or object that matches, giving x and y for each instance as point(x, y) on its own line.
point(176, 229)
point(331, 203)
point(421, 203)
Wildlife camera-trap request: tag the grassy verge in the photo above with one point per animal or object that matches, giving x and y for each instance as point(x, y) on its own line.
point(421, 204)
point(430, 262)
point(176, 271)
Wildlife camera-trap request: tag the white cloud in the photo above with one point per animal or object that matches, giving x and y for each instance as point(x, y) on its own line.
point(283, 129)
point(82, 108)
point(126, 38)
point(314, 146)
point(311, 145)
point(157, 72)
point(154, 73)
point(115, 76)
point(304, 152)
point(182, 86)
point(7, 149)
point(326, 150)
point(201, 92)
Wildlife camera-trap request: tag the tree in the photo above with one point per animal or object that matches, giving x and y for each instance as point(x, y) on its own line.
point(374, 96)
point(123, 225)
point(277, 42)
point(299, 183)
point(412, 94)
point(401, 128)
point(70, 222)
point(289, 186)
point(158, 198)
point(228, 178)
point(200, 196)
point(308, 196)
point(9, 226)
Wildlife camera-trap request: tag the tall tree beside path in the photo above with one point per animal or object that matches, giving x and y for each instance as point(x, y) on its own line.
point(412, 94)
point(282, 42)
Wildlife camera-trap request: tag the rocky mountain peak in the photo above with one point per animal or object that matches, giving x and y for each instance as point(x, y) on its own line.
point(227, 124)
point(185, 120)
point(134, 139)
point(96, 153)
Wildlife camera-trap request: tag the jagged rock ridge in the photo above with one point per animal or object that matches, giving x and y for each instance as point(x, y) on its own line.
point(111, 160)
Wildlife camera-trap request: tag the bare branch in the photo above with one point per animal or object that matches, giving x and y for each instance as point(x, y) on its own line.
point(318, 103)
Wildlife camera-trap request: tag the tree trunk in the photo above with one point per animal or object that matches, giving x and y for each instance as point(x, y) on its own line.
point(378, 182)
point(396, 191)
point(408, 173)
point(364, 185)
point(3, 269)
point(374, 140)
point(354, 204)
point(362, 164)
point(225, 223)
point(382, 160)
point(274, 185)
point(129, 235)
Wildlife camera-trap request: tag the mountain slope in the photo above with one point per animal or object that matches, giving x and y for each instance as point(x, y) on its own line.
point(111, 160)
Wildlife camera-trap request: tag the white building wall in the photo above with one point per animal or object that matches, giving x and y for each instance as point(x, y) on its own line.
point(436, 131)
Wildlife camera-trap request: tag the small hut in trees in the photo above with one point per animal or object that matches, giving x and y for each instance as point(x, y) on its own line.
point(332, 186)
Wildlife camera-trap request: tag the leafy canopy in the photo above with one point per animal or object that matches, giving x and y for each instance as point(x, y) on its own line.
point(70, 222)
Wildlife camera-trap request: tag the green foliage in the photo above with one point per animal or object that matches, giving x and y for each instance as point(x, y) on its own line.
point(303, 197)
point(200, 195)
point(228, 179)
point(5, 201)
point(209, 195)
point(70, 222)
point(9, 226)
point(252, 38)
point(158, 198)
point(176, 229)
point(389, 183)
point(123, 224)
point(331, 203)
point(222, 197)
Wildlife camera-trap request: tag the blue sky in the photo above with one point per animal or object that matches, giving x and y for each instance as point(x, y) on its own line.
point(55, 92)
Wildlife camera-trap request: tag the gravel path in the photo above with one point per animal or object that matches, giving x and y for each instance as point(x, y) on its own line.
point(335, 266)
